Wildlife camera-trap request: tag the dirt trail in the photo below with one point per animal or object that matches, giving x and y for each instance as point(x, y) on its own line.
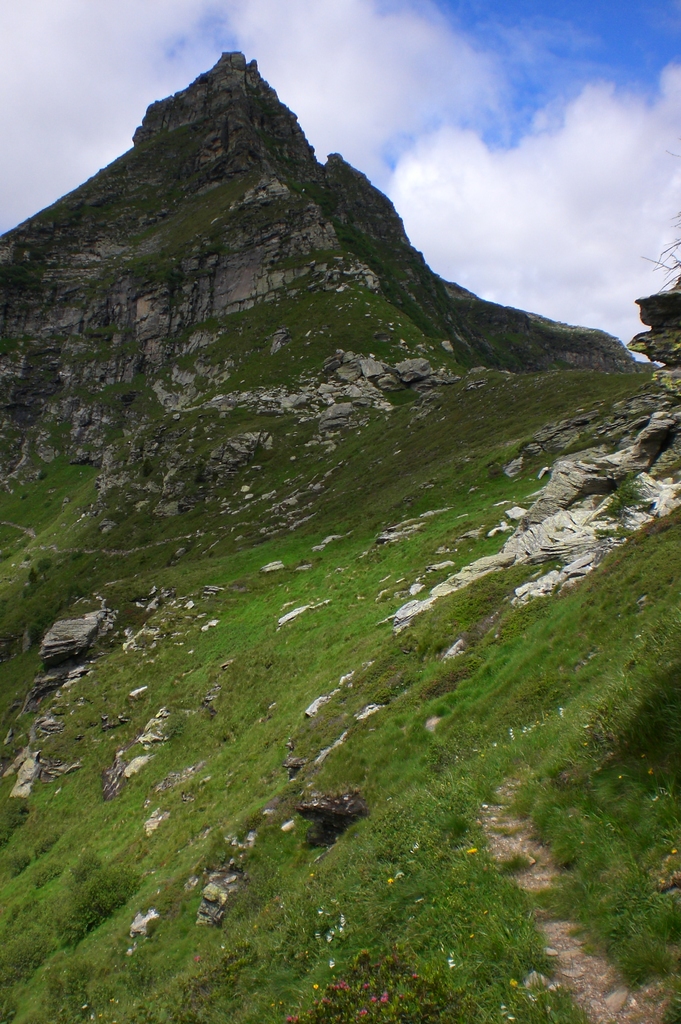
point(594, 983)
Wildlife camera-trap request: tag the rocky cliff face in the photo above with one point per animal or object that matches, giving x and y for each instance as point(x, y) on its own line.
point(118, 303)
point(662, 344)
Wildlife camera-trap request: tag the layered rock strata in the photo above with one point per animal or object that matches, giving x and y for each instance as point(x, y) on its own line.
point(662, 344)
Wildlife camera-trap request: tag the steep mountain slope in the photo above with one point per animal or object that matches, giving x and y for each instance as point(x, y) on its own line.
point(220, 206)
point(287, 591)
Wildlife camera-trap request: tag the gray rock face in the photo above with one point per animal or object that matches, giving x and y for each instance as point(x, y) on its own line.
point(412, 370)
point(53, 768)
point(577, 477)
point(68, 638)
point(113, 778)
point(237, 452)
point(50, 680)
point(30, 767)
point(336, 416)
point(662, 309)
point(48, 725)
point(226, 97)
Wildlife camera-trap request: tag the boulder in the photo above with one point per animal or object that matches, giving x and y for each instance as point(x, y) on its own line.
point(280, 338)
point(153, 730)
point(70, 638)
point(662, 309)
point(331, 815)
point(333, 362)
point(457, 648)
point(514, 467)
point(315, 706)
point(156, 818)
point(371, 368)
point(411, 371)
point(336, 416)
point(349, 371)
point(388, 382)
point(136, 765)
point(141, 922)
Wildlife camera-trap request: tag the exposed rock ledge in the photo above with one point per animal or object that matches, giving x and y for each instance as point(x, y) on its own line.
point(569, 520)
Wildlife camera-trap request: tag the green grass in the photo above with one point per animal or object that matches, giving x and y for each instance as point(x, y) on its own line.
point(75, 871)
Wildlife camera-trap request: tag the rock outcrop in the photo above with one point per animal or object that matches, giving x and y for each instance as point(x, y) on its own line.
point(569, 521)
point(69, 638)
point(662, 344)
point(216, 893)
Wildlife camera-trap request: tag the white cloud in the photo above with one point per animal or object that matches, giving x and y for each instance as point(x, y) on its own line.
point(560, 222)
point(75, 79)
point(77, 75)
point(364, 79)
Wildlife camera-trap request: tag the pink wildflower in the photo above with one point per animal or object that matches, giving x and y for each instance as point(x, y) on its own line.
point(385, 997)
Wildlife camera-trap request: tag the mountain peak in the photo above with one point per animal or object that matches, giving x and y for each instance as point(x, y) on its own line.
point(245, 122)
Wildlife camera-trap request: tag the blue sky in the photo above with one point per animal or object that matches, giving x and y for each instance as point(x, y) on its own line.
point(627, 42)
point(526, 144)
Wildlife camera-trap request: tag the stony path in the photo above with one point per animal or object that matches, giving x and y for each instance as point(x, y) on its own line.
point(593, 981)
point(28, 530)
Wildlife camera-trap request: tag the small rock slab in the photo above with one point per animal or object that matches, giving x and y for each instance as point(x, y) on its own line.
point(221, 884)
point(141, 921)
point(157, 817)
point(68, 638)
point(315, 706)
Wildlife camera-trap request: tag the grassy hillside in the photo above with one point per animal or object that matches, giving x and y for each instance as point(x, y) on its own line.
point(575, 696)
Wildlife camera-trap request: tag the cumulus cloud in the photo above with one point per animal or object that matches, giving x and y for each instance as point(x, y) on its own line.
point(559, 223)
point(364, 76)
point(75, 80)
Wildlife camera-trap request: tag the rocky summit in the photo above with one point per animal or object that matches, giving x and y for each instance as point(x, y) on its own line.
point(339, 632)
